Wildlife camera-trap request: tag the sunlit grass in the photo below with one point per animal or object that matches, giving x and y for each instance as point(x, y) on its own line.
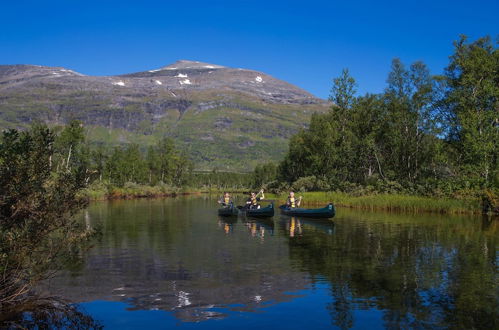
point(391, 202)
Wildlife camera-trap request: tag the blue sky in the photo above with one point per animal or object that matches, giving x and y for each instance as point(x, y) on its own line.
point(306, 43)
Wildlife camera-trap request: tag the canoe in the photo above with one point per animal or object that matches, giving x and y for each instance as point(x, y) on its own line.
point(325, 212)
point(228, 211)
point(264, 212)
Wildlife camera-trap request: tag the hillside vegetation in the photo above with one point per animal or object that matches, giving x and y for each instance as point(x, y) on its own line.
point(224, 118)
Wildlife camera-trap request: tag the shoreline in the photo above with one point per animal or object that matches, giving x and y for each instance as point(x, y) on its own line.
point(390, 202)
point(382, 202)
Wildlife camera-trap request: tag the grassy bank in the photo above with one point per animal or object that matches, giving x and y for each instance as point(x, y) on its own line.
point(390, 202)
point(101, 191)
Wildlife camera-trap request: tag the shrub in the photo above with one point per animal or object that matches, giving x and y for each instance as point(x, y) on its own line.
point(304, 184)
point(38, 201)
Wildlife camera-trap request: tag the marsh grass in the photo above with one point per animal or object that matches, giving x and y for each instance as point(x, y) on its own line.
point(390, 202)
point(101, 191)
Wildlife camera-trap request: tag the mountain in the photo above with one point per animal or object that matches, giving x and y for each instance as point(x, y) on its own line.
point(225, 118)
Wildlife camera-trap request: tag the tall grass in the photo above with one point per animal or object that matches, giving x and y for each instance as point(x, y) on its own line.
point(102, 191)
point(391, 202)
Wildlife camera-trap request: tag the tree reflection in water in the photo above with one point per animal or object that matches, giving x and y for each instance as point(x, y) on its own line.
point(421, 272)
point(48, 313)
point(424, 271)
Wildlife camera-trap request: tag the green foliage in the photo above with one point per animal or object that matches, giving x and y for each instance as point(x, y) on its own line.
point(37, 202)
point(264, 174)
point(473, 104)
point(401, 140)
point(126, 164)
point(162, 163)
point(221, 181)
point(225, 130)
point(305, 184)
point(385, 201)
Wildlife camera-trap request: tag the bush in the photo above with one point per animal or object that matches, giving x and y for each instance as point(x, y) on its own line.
point(490, 201)
point(38, 201)
point(304, 184)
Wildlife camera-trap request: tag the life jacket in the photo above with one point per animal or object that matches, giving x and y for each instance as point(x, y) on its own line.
point(226, 200)
point(292, 202)
point(254, 201)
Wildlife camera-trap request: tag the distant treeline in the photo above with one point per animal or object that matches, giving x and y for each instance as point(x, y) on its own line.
point(434, 135)
point(425, 134)
point(162, 162)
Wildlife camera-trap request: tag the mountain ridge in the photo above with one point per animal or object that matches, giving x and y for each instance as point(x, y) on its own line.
point(228, 118)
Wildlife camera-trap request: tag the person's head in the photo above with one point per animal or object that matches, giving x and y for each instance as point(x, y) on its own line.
point(226, 194)
point(291, 194)
point(253, 194)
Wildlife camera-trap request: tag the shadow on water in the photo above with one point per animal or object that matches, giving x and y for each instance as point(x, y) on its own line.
point(48, 313)
point(178, 256)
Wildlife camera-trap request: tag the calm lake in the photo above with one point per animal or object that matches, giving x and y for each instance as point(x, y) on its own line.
point(166, 263)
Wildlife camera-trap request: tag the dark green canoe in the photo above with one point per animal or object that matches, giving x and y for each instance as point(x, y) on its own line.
point(325, 212)
point(264, 212)
point(228, 211)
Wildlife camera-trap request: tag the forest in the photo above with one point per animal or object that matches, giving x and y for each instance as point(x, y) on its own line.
point(424, 135)
point(431, 135)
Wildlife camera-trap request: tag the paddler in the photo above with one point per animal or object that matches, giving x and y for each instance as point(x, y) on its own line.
point(225, 200)
point(252, 201)
point(292, 202)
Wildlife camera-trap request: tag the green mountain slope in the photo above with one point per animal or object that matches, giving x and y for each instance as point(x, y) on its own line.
point(224, 118)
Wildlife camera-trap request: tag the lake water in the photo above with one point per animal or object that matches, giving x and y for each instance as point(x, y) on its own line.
point(167, 263)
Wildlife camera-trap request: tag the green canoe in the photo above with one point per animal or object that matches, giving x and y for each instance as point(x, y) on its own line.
point(228, 211)
point(325, 212)
point(264, 212)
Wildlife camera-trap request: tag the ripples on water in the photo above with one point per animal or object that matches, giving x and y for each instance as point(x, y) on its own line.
point(174, 262)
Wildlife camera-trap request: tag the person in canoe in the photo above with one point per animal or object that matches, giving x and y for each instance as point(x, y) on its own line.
point(225, 200)
point(252, 201)
point(292, 202)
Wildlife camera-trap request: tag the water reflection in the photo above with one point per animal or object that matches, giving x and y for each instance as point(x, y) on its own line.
point(423, 271)
point(259, 227)
point(179, 256)
point(227, 224)
point(295, 226)
point(175, 256)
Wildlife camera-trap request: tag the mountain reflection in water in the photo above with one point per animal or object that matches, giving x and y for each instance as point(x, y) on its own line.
point(177, 255)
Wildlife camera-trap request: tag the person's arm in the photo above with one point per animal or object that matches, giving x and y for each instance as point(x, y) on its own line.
point(299, 201)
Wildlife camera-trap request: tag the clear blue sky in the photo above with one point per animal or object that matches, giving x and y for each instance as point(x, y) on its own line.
point(306, 43)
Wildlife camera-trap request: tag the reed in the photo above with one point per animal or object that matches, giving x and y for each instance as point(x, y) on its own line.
point(391, 202)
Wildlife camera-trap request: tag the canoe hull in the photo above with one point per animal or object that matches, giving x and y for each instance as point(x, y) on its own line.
point(228, 211)
point(326, 212)
point(264, 212)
